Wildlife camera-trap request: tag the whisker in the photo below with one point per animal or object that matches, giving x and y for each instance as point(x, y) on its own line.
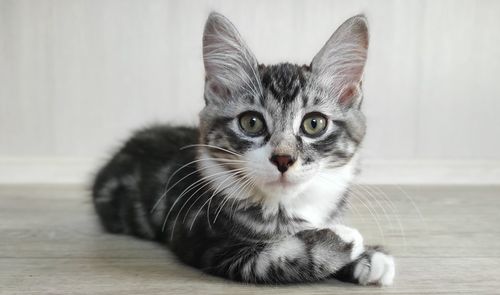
point(224, 201)
point(326, 180)
point(395, 212)
point(180, 180)
point(350, 205)
point(412, 202)
point(209, 201)
point(370, 194)
point(187, 201)
point(250, 186)
point(369, 208)
point(187, 190)
point(211, 146)
point(214, 192)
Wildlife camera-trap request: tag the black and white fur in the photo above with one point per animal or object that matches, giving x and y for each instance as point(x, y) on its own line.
point(213, 195)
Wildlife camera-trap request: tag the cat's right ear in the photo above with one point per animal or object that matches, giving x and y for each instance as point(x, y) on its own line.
point(230, 66)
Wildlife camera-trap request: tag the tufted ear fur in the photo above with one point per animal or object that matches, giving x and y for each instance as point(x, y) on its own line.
point(338, 66)
point(230, 66)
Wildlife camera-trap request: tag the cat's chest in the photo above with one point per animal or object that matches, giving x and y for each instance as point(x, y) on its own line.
point(318, 205)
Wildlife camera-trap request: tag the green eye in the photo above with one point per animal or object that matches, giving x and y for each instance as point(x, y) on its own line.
point(314, 124)
point(252, 124)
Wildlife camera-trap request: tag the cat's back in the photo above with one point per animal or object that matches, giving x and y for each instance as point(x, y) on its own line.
point(160, 141)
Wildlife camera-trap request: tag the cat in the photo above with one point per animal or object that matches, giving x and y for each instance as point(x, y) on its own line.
point(255, 194)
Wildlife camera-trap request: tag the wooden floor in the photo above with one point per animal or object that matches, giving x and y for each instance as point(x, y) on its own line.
point(446, 240)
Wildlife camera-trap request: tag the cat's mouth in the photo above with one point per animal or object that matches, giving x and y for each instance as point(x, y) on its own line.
point(282, 181)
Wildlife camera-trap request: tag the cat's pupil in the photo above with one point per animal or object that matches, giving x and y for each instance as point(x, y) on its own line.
point(253, 121)
point(314, 123)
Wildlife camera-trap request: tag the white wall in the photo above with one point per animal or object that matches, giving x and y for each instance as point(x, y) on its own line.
point(77, 76)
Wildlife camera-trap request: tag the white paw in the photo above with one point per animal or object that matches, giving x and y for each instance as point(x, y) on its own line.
point(379, 269)
point(350, 235)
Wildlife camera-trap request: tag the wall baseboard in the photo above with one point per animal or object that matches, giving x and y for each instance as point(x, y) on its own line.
point(61, 170)
point(79, 171)
point(437, 172)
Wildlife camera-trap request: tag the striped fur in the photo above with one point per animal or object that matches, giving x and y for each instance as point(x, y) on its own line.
point(214, 197)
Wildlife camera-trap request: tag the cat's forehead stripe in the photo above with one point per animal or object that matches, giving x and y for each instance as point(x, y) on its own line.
point(283, 82)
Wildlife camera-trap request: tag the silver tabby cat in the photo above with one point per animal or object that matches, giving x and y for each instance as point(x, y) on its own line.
point(255, 193)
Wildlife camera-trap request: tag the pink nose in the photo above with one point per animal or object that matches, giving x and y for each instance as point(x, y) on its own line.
point(282, 162)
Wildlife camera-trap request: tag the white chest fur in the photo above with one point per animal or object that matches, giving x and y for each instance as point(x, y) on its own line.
point(321, 196)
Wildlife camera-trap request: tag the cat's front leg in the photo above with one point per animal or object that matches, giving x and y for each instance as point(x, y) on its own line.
point(351, 236)
point(369, 266)
point(309, 255)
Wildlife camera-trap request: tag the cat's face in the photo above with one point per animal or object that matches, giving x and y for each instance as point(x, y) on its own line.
point(276, 128)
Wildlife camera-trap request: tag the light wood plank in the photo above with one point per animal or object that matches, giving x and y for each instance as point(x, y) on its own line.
point(446, 241)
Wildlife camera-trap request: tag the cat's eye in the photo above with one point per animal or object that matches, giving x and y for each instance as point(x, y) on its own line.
point(252, 123)
point(314, 124)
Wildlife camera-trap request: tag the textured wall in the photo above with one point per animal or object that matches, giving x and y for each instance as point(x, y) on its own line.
point(77, 76)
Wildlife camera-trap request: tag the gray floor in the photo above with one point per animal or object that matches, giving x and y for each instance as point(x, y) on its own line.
point(446, 241)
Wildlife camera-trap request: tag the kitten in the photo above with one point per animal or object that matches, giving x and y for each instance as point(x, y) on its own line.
point(255, 193)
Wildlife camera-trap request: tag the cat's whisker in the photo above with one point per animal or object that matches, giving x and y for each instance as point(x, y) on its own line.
point(232, 208)
point(369, 208)
point(193, 185)
point(350, 205)
point(367, 204)
point(225, 200)
point(211, 146)
point(206, 178)
point(394, 211)
point(414, 205)
point(248, 185)
point(167, 189)
point(246, 175)
point(214, 192)
point(203, 184)
point(233, 172)
point(372, 196)
point(208, 201)
point(184, 204)
point(391, 205)
point(199, 160)
point(385, 199)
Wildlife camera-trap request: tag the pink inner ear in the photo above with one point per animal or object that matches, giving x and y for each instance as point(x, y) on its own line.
point(219, 90)
point(348, 94)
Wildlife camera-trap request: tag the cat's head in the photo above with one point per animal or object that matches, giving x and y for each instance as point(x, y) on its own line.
point(274, 128)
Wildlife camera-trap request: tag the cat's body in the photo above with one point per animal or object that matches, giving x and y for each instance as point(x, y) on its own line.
point(255, 193)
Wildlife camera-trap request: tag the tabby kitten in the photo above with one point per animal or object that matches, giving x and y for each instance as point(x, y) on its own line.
point(255, 193)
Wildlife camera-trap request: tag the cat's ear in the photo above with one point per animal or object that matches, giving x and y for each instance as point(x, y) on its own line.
point(338, 66)
point(230, 66)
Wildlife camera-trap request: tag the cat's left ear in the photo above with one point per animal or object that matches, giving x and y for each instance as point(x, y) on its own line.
point(338, 66)
point(230, 66)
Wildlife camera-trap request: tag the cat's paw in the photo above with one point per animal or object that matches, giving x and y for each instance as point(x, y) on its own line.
point(375, 268)
point(350, 236)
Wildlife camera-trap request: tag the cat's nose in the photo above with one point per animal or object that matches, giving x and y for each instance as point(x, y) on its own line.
point(283, 162)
